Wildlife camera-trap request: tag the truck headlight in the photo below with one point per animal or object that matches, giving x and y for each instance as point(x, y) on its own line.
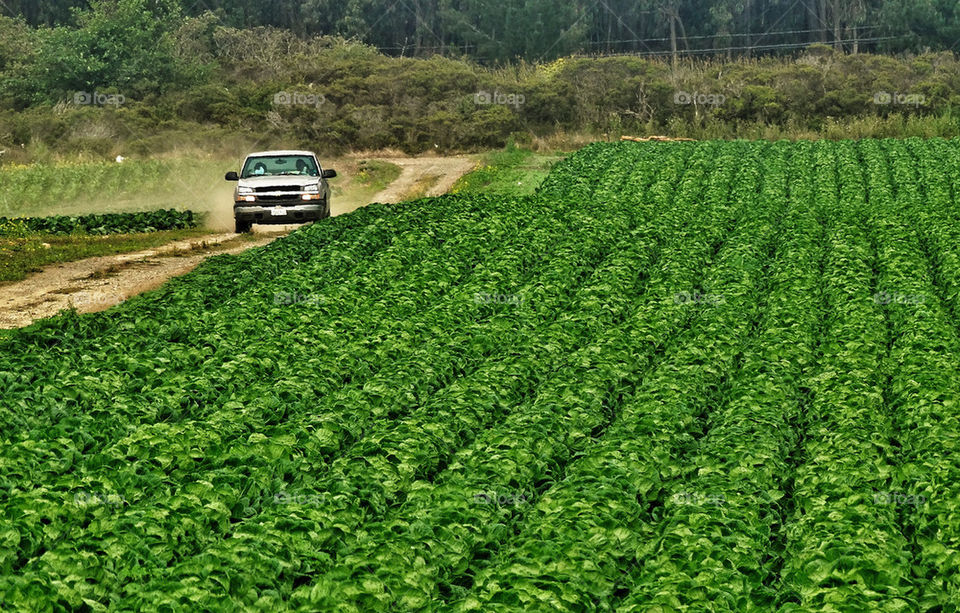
point(311, 188)
point(244, 190)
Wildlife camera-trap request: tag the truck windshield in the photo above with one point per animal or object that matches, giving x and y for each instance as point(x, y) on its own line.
point(275, 166)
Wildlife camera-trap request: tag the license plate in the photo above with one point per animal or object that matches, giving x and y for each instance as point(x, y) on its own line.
point(278, 212)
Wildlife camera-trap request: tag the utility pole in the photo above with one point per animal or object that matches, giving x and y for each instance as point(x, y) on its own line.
point(673, 14)
point(748, 12)
point(836, 25)
point(822, 6)
point(673, 40)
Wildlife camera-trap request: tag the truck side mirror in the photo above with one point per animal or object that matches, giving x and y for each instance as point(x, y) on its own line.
point(232, 176)
point(329, 174)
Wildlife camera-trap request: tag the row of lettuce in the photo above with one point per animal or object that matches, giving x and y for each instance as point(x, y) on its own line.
point(681, 376)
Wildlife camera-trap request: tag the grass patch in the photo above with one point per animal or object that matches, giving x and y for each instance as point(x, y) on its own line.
point(510, 172)
point(359, 181)
point(375, 175)
point(240, 239)
point(420, 188)
point(109, 271)
point(43, 190)
point(22, 256)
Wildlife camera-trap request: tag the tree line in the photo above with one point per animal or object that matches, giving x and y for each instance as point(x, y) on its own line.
point(498, 31)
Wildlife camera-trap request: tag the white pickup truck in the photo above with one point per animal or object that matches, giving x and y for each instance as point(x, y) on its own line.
point(280, 187)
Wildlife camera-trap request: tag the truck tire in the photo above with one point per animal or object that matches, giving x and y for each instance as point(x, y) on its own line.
point(242, 227)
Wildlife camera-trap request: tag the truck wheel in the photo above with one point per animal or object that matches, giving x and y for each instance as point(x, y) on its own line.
point(243, 227)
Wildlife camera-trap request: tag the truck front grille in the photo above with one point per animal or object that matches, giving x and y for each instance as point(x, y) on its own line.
point(284, 199)
point(278, 188)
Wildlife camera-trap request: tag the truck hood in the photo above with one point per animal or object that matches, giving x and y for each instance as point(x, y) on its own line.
point(299, 180)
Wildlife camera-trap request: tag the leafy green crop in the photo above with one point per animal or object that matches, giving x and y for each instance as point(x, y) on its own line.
point(715, 376)
point(106, 223)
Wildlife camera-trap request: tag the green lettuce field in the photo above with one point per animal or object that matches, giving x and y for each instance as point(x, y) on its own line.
point(714, 376)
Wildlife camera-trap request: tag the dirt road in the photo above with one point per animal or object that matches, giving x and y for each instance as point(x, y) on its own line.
point(436, 175)
point(96, 284)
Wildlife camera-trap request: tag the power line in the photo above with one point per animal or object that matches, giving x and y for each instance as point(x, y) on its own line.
point(719, 50)
point(715, 36)
point(667, 52)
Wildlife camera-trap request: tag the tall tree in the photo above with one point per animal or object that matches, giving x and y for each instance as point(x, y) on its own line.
point(123, 45)
point(499, 30)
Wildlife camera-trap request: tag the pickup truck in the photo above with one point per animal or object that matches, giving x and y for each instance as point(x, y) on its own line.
point(280, 187)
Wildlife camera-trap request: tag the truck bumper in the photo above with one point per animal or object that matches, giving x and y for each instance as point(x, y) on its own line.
point(280, 214)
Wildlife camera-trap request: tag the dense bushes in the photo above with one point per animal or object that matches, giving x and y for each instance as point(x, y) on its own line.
point(206, 81)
